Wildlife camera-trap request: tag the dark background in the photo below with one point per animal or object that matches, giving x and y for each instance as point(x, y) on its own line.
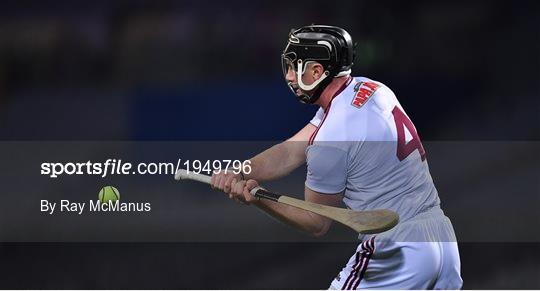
point(210, 70)
point(144, 70)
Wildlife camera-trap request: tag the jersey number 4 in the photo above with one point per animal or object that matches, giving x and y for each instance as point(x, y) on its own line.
point(404, 148)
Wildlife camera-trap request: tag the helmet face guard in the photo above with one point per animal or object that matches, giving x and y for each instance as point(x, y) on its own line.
point(327, 45)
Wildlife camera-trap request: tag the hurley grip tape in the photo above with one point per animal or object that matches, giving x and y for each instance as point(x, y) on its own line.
point(262, 193)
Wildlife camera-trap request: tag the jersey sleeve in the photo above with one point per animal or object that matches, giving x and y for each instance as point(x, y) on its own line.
point(326, 169)
point(316, 120)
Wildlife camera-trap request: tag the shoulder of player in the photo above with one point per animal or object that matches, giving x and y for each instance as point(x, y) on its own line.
point(364, 120)
point(371, 92)
point(364, 96)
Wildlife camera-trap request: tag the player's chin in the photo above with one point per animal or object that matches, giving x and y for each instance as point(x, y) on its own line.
point(296, 89)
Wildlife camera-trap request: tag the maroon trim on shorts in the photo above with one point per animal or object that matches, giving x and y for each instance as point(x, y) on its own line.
point(357, 262)
point(366, 264)
point(360, 266)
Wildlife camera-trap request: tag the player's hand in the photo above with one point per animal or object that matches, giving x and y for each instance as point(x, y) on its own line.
point(222, 180)
point(240, 191)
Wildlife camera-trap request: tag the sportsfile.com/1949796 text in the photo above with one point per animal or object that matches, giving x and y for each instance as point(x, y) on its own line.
point(119, 167)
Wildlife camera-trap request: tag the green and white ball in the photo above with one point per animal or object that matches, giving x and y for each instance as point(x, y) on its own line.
point(108, 193)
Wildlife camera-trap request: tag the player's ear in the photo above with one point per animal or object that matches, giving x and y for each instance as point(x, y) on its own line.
point(317, 70)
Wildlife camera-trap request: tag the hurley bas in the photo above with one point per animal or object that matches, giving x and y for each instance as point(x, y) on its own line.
point(94, 206)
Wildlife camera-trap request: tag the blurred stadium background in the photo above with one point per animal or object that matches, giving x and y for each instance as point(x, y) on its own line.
point(186, 70)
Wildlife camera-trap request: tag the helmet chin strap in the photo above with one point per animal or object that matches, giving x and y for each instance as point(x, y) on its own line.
point(300, 72)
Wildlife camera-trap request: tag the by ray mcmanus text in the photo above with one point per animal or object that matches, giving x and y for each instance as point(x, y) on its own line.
point(66, 206)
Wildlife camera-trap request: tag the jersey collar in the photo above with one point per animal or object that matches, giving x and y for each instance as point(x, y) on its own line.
point(343, 87)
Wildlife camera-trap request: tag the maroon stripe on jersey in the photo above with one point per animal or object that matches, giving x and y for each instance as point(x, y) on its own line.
point(357, 263)
point(342, 87)
point(327, 110)
point(312, 138)
point(371, 249)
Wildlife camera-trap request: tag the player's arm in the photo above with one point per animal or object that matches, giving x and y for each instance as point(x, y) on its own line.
point(273, 163)
point(283, 158)
point(325, 182)
point(303, 220)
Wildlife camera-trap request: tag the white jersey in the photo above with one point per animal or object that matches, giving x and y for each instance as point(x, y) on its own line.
point(366, 146)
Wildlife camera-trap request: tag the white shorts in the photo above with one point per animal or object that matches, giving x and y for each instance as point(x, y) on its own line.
point(421, 253)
